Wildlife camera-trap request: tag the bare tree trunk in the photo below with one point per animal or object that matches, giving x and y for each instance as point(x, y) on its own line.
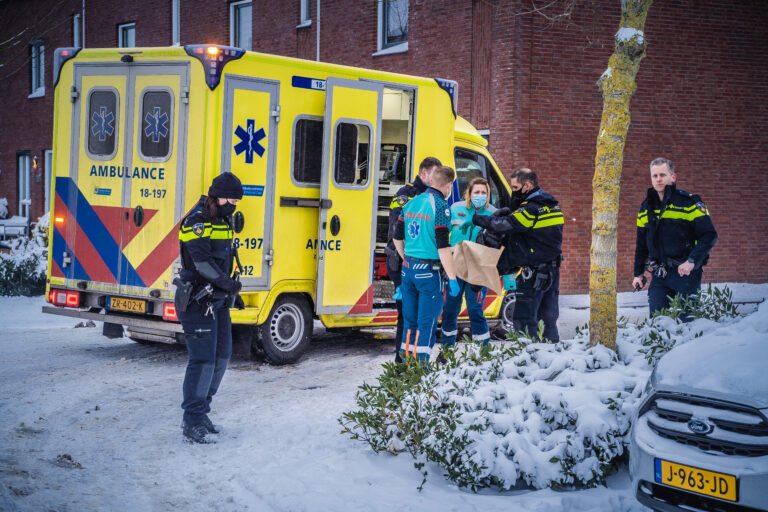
point(617, 85)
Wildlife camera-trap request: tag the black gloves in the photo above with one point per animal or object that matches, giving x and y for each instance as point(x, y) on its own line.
point(232, 287)
point(481, 220)
point(239, 304)
point(501, 212)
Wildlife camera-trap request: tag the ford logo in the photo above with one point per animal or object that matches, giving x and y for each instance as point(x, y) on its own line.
point(699, 426)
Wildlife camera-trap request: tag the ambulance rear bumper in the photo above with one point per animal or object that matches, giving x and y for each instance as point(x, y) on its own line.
point(129, 321)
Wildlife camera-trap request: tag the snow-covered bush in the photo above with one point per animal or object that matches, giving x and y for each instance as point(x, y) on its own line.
point(3, 207)
point(22, 272)
point(546, 414)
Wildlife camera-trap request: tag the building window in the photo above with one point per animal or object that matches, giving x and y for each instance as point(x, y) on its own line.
point(126, 35)
point(76, 31)
point(307, 150)
point(393, 23)
point(48, 174)
point(37, 60)
point(351, 155)
point(25, 177)
point(305, 14)
point(240, 27)
point(175, 27)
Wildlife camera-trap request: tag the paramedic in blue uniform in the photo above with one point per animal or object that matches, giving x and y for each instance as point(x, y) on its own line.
point(476, 201)
point(674, 236)
point(422, 240)
point(205, 239)
point(394, 261)
point(533, 235)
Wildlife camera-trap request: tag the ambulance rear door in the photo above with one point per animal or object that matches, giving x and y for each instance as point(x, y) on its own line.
point(348, 197)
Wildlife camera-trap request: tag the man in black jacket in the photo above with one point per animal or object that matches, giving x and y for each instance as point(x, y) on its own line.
point(674, 236)
point(394, 262)
point(533, 238)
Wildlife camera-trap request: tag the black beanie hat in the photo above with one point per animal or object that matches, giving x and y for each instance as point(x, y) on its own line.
point(226, 185)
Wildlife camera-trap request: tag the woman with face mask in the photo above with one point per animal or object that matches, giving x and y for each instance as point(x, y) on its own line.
point(476, 201)
point(205, 244)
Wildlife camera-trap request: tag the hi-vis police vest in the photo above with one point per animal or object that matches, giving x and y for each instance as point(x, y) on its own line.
point(206, 249)
point(421, 216)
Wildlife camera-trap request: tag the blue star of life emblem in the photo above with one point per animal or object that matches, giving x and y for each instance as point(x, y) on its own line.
point(249, 141)
point(157, 125)
point(413, 229)
point(103, 123)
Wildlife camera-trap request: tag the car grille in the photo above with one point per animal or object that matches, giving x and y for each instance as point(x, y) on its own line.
point(735, 429)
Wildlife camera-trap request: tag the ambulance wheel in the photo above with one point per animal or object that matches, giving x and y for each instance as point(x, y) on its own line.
point(507, 309)
point(285, 335)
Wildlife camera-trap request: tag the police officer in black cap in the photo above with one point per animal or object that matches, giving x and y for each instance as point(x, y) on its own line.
point(204, 294)
point(532, 234)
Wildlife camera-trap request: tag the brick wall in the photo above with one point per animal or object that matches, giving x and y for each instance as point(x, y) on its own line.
point(701, 96)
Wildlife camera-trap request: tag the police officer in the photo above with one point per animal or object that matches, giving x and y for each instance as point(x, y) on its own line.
point(422, 240)
point(205, 239)
point(674, 237)
point(394, 261)
point(533, 238)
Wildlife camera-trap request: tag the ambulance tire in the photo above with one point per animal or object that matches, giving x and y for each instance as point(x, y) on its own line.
point(507, 309)
point(285, 335)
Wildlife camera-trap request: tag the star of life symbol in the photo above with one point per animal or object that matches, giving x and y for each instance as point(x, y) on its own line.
point(249, 141)
point(103, 123)
point(157, 125)
point(413, 229)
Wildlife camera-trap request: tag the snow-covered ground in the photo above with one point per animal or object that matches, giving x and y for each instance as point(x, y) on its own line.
point(88, 423)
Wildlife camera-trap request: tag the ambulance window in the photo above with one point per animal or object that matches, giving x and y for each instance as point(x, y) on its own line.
point(351, 154)
point(471, 165)
point(307, 150)
point(103, 123)
point(156, 125)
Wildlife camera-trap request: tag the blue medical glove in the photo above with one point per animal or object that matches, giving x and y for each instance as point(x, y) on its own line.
point(453, 287)
point(397, 295)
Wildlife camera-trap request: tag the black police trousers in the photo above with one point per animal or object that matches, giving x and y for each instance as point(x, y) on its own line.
point(209, 343)
point(533, 305)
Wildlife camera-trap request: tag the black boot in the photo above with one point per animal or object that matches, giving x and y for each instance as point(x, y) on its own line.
point(195, 433)
point(209, 426)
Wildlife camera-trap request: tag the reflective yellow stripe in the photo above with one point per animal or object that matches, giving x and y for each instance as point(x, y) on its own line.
point(551, 220)
point(186, 237)
point(523, 219)
point(689, 216)
point(219, 234)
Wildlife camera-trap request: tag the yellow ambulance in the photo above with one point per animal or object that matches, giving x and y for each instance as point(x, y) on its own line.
point(320, 149)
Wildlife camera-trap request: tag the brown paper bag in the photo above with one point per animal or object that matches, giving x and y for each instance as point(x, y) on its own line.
point(476, 264)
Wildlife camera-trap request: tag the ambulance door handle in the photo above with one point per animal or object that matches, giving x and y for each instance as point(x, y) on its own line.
point(269, 257)
point(325, 204)
point(335, 225)
point(138, 216)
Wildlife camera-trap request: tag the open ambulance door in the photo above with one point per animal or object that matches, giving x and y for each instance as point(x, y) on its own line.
point(348, 197)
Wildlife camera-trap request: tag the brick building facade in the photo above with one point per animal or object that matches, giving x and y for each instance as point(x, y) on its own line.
point(701, 100)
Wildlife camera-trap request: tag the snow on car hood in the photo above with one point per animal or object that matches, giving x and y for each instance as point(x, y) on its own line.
point(731, 360)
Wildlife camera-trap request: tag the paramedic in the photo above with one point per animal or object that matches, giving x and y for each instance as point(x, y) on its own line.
point(462, 228)
point(533, 235)
point(205, 240)
point(394, 262)
point(421, 239)
point(674, 236)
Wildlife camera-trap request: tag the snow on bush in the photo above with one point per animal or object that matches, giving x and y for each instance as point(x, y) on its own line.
point(546, 414)
point(23, 271)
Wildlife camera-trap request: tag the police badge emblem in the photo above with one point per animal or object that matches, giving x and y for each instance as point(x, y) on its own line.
point(702, 208)
point(198, 229)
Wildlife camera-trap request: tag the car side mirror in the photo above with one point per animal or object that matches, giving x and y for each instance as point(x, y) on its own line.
point(238, 221)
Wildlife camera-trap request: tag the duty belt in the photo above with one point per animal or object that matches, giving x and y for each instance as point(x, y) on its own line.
point(420, 260)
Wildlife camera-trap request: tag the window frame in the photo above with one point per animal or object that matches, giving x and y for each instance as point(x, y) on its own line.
point(235, 7)
point(294, 180)
point(384, 47)
point(175, 22)
point(117, 123)
point(48, 174)
point(488, 172)
point(76, 31)
point(171, 116)
point(37, 69)
point(27, 156)
point(371, 163)
point(121, 30)
point(305, 14)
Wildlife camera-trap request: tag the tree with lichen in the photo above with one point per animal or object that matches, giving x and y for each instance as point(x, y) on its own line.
point(617, 85)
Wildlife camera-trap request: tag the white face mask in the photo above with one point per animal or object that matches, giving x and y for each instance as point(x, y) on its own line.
point(478, 200)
